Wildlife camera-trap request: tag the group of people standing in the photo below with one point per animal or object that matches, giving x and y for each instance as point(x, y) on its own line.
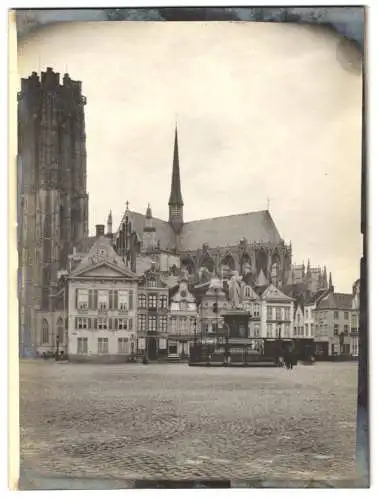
point(288, 357)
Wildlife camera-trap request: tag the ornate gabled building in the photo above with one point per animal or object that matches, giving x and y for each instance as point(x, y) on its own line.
point(52, 187)
point(247, 243)
point(183, 321)
point(214, 304)
point(102, 306)
point(153, 309)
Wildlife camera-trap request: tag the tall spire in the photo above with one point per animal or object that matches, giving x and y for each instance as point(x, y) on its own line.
point(175, 202)
point(176, 194)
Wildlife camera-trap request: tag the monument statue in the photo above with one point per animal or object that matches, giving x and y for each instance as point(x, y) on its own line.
point(184, 273)
point(204, 275)
point(235, 291)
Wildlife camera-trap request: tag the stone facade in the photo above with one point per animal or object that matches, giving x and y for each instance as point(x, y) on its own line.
point(53, 203)
point(332, 319)
point(213, 305)
point(298, 322)
point(102, 307)
point(153, 309)
point(183, 321)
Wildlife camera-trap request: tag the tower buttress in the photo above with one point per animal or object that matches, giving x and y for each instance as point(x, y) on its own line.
point(331, 287)
point(175, 202)
point(109, 224)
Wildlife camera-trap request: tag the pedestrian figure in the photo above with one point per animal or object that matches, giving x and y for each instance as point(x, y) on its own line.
point(288, 361)
point(291, 361)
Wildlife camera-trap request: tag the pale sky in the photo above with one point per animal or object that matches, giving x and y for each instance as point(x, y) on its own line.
point(264, 110)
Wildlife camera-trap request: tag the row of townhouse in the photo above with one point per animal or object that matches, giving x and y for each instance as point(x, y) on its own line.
point(332, 320)
point(113, 314)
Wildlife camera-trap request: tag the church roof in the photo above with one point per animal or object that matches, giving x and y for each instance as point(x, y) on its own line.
point(164, 232)
point(217, 231)
point(229, 230)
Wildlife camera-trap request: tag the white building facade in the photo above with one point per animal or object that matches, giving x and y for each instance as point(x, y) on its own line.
point(102, 307)
point(183, 323)
point(277, 314)
point(298, 322)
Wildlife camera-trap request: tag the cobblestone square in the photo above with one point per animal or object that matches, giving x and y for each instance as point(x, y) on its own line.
point(181, 422)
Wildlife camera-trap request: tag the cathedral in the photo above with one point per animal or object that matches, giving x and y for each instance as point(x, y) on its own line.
point(248, 244)
point(53, 222)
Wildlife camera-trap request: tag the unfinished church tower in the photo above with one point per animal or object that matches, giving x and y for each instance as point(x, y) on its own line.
point(52, 178)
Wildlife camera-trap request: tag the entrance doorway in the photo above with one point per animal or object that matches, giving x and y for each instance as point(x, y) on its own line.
point(152, 348)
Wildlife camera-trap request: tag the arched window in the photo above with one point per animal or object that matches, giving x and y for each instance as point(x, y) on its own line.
point(247, 291)
point(45, 332)
point(60, 330)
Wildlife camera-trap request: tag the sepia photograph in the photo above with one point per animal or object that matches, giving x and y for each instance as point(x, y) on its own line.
point(191, 283)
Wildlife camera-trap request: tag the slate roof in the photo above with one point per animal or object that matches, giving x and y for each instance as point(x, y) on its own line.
point(164, 232)
point(84, 246)
point(260, 289)
point(315, 297)
point(216, 231)
point(336, 301)
point(229, 230)
point(111, 256)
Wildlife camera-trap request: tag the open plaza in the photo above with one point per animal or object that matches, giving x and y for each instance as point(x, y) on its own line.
point(172, 421)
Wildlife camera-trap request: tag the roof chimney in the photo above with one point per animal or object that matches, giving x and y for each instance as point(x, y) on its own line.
point(100, 228)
